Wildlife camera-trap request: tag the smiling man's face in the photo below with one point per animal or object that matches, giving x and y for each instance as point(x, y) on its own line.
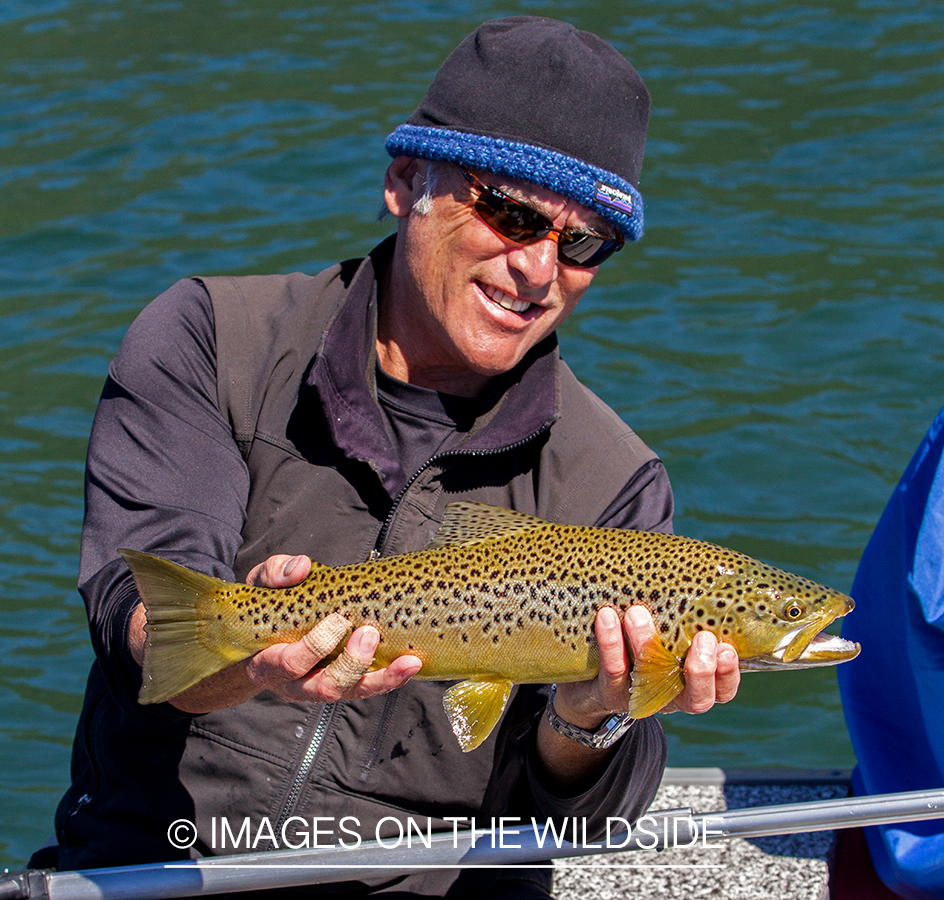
point(461, 304)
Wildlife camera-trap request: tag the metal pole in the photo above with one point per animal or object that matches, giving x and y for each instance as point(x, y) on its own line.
point(483, 847)
point(823, 815)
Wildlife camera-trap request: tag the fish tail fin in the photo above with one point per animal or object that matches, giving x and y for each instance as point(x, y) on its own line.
point(657, 680)
point(177, 654)
point(474, 708)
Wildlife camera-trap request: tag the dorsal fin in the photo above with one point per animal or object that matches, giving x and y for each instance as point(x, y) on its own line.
point(467, 523)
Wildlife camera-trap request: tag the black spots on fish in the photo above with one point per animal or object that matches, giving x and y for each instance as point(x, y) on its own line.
point(664, 627)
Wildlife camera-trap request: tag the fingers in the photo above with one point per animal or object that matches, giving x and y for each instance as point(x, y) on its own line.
point(353, 663)
point(711, 675)
point(640, 629)
point(587, 703)
point(325, 636)
point(280, 571)
point(614, 660)
point(292, 672)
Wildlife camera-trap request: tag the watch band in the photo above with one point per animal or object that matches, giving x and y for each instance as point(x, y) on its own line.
point(605, 736)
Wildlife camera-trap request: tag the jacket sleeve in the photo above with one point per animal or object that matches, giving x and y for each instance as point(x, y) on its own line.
point(163, 471)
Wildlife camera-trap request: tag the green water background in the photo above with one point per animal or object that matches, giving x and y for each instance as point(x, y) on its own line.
point(778, 336)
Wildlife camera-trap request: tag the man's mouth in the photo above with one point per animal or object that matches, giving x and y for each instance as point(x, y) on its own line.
point(505, 301)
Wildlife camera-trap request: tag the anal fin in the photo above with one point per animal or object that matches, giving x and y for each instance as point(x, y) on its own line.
point(474, 708)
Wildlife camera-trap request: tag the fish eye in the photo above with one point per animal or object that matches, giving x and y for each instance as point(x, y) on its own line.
point(794, 610)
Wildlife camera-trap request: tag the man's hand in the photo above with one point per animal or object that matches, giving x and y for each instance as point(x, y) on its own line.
point(711, 676)
point(291, 671)
point(711, 671)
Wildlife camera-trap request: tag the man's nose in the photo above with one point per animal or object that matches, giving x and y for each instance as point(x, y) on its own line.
point(537, 263)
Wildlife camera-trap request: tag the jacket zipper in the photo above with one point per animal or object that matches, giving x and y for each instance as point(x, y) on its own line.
point(385, 528)
point(321, 729)
point(304, 769)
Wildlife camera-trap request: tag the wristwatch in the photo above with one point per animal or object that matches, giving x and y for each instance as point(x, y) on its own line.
point(605, 736)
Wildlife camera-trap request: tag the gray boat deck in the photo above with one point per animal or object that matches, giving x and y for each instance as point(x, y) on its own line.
point(788, 867)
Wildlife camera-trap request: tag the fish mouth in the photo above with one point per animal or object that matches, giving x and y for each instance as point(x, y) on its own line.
point(826, 649)
point(806, 646)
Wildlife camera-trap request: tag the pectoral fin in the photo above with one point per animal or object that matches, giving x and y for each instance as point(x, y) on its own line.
point(474, 708)
point(657, 680)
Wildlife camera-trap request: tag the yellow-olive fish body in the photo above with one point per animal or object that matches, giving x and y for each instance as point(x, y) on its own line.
point(500, 598)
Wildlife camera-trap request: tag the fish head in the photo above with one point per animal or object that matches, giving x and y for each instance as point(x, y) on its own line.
point(775, 620)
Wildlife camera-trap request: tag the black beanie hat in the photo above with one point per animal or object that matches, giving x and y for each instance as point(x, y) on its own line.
point(535, 99)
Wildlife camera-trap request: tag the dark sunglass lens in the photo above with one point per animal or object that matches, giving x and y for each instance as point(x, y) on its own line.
point(586, 250)
point(512, 219)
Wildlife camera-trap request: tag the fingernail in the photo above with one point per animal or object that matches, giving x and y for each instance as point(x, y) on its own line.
point(412, 670)
point(363, 642)
point(726, 656)
point(290, 565)
point(638, 616)
point(609, 618)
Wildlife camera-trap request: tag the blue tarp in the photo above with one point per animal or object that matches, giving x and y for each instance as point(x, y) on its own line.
point(893, 693)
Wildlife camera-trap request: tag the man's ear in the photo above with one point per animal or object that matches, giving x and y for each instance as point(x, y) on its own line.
point(403, 183)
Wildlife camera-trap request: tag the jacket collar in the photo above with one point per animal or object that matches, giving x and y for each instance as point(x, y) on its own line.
point(524, 402)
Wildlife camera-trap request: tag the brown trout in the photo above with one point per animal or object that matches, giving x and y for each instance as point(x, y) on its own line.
point(500, 598)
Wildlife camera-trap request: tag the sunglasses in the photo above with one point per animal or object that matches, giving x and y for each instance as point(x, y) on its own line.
point(520, 223)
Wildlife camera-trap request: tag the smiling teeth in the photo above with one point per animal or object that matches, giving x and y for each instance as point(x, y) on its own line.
point(505, 301)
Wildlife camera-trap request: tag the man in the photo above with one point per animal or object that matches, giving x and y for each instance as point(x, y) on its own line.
point(248, 424)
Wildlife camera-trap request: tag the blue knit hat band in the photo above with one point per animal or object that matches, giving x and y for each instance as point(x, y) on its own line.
point(612, 197)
